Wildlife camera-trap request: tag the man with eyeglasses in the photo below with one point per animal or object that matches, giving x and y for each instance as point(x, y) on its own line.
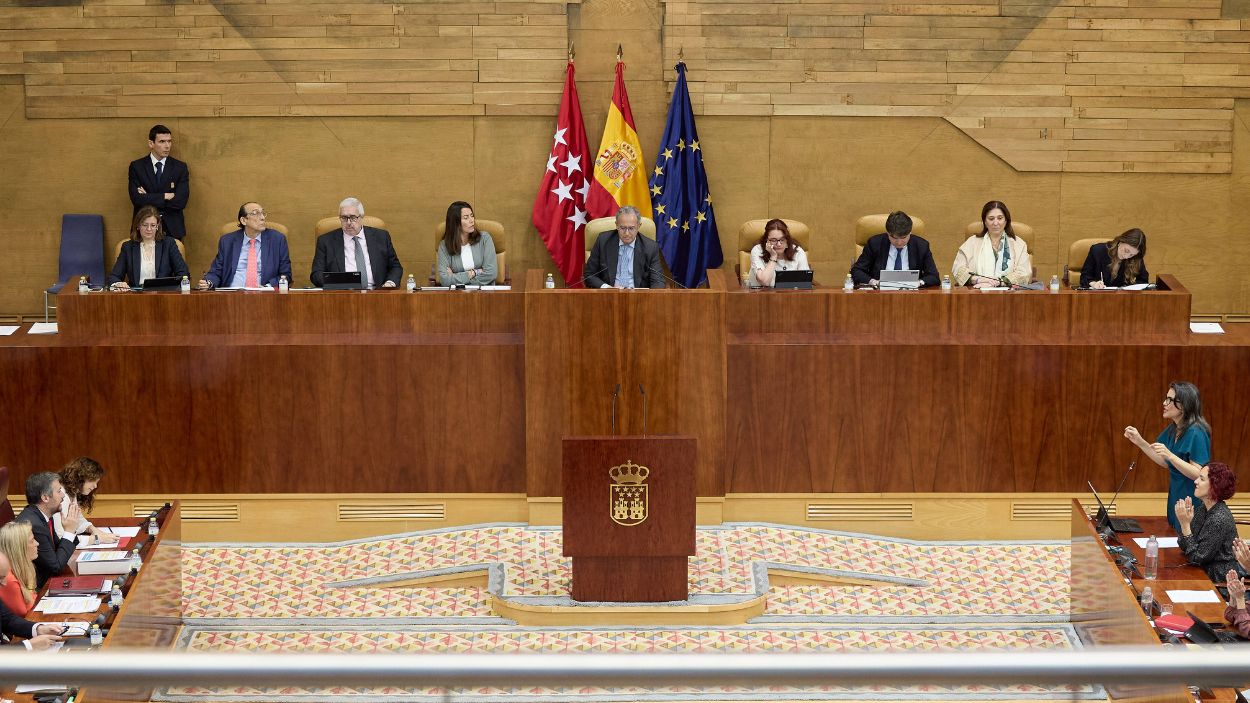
point(622, 259)
point(898, 250)
point(354, 247)
point(252, 256)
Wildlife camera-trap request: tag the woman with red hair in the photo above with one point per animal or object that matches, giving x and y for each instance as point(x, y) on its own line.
point(1207, 528)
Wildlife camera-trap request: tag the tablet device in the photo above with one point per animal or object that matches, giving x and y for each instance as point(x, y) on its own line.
point(164, 283)
point(341, 280)
point(793, 280)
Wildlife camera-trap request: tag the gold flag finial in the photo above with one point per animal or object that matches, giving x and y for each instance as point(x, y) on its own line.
point(620, 52)
point(572, 53)
point(681, 54)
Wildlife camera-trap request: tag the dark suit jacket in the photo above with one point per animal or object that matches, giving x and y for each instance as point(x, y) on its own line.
point(15, 625)
point(1098, 266)
point(169, 262)
point(53, 559)
point(877, 252)
point(275, 259)
point(382, 259)
point(175, 178)
point(601, 266)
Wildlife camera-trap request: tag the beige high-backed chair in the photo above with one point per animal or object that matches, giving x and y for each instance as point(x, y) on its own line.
point(232, 226)
point(1077, 251)
point(750, 232)
point(871, 225)
point(497, 235)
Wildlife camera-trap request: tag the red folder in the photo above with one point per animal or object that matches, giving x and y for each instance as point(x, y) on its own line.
point(77, 585)
point(1174, 623)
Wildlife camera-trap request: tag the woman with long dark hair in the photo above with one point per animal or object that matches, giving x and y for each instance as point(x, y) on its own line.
point(994, 257)
point(466, 255)
point(776, 251)
point(1183, 447)
point(1117, 263)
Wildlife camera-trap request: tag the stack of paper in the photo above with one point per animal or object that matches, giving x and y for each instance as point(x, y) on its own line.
point(60, 605)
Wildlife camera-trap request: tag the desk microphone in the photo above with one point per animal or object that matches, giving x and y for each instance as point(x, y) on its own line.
point(1132, 465)
point(643, 391)
point(660, 270)
point(615, 394)
point(582, 281)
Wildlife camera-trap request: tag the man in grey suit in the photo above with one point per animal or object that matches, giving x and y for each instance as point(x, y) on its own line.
point(622, 259)
point(354, 247)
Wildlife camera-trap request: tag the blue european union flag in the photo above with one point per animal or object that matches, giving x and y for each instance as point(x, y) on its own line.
point(684, 224)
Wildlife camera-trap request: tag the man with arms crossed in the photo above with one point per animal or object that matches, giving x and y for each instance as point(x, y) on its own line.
point(161, 181)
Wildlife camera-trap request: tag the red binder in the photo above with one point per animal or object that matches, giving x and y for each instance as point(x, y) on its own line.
point(77, 585)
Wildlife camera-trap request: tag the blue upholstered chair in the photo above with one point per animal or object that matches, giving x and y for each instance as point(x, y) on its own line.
point(82, 254)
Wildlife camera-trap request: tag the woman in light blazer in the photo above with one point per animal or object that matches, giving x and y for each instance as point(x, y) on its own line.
point(996, 256)
point(465, 256)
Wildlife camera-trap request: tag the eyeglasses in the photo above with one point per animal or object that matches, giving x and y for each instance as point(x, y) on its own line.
point(1169, 400)
point(351, 218)
point(776, 241)
point(150, 225)
point(256, 213)
point(627, 229)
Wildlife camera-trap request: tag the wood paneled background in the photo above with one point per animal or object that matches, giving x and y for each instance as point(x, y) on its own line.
point(1086, 116)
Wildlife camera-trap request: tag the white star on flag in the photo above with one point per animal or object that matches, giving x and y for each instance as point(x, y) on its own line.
point(551, 163)
point(583, 190)
point(562, 191)
point(578, 219)
point(560, 137)
point(573, 163)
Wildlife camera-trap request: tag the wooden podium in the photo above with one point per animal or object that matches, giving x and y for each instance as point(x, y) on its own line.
point(629, 506)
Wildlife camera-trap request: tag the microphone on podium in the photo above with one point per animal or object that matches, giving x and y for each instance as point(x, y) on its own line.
point(615, 394)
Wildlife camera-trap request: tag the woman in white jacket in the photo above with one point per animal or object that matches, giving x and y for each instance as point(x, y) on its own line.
point(996, 256)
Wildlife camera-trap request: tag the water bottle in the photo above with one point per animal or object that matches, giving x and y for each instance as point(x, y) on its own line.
point(946, 283)
point(97, 637)
point(746, 281)
point(1147, 600)
point(848, 285)
point(1152, 558)
point(551, 281)
point(83, 286)
point(153, 529)
point(186, 285)
point(283, 287)
point(136, 560)
point(1054, 283)
point(412, 283)
point(115, 596)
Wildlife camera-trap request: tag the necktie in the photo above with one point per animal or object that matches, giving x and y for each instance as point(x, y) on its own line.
point(160, 166)
point(898, 259)
point(361, 262)
point(52, 531)
point(253, 279)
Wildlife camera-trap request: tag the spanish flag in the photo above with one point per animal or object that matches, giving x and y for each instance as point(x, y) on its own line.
point(620, 173)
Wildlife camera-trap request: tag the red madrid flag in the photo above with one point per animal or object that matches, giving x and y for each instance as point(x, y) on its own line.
point(560, 206)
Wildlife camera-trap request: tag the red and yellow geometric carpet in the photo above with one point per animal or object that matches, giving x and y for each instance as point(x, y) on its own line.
point(917, 596)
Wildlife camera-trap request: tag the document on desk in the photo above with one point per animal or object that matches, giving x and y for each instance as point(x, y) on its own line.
point(7, 330)
point(60, 605)
point(40, 688)
point(1193, 596)
point(1206, 328)
point(43, 328)
point(122, 531)
point(1164, 542)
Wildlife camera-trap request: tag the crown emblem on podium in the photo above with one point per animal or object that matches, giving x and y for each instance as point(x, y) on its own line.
point(629, 473)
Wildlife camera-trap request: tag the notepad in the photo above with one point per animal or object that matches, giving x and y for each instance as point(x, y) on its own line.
point(1164, 542)
point(43, 328)
point(7, 330)
point(122, 531)
point(1193, 596)
point(1206, 328)
point(60, 605)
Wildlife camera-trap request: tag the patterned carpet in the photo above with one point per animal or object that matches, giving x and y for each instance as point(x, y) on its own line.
point(333, 597)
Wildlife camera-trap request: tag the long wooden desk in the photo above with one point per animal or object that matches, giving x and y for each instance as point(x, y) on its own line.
point(459, 392)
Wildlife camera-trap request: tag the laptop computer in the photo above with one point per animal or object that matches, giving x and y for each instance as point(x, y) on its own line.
point(1103, 519)
point(900, 280)
point(793, 280)
point(1203, 633)
point(163, 283)
point(341, 280)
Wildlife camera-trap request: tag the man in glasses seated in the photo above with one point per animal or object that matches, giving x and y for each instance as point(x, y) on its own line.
point(252, 256)
point(354, 247)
